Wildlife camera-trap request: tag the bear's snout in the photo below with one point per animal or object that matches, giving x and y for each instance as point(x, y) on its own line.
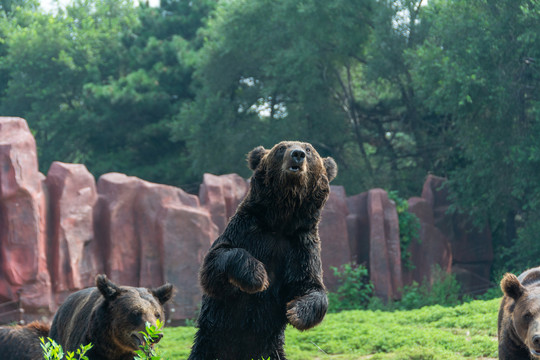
point(296, 159)
point(536, 341)
point(535, 345)
point(533, 336)
point(298, 155)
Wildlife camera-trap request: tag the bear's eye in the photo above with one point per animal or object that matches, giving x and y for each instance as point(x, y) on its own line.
point(308, 149)
point(157, 315)
point(135, 317)
point(527, 316)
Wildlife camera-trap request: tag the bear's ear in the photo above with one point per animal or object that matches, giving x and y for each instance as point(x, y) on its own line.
point(511, 286)
point(163, 293)
point(107, 288)
point(331, 168)
point(254, 157)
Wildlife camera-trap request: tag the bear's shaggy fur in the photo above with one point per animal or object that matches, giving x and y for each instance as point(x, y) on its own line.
point(110, 317)
point(22, 342)
point(265, 270)
point(519, 316)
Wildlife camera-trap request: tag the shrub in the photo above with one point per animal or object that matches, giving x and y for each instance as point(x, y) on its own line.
point(151, 335)
point(355, 289)
point(444, 290)
point(53, 351)
point(409, 227)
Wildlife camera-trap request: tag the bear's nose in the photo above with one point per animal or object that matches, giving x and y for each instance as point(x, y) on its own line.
point(536, 341)
point(158, 338)
point(298, 155)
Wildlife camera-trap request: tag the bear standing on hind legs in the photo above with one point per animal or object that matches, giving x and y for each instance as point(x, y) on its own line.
point(265, 270)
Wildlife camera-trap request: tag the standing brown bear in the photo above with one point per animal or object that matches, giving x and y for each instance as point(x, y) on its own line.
point(519, 316)
point(110, 317)
point(22, 342)
point(265, 270)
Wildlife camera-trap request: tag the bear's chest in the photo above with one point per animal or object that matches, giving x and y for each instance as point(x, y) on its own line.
point(273, 254)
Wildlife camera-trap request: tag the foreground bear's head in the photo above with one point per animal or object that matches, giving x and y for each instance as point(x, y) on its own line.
point(519, 316)
point(291, 166)
point(110, 317)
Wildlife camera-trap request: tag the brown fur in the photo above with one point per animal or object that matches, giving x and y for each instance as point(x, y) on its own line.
point(519, 316)
point(265, 270)
point(110, 317)
point(22, 342)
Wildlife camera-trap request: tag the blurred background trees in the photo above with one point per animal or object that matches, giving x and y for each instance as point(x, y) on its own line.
point(393, 90)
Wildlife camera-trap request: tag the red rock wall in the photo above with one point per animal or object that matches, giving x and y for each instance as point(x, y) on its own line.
point(471, 247)
point(335, 247)
point(23, 258)
point(58, 232)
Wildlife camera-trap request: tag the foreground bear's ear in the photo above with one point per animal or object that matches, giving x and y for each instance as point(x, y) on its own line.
point(254, 157)
point(511, 286)
point(331, 168)
point(107, 288)
point(163, 293)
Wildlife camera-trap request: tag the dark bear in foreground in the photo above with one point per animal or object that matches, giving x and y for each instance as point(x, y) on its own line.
point(519, 316)
point(110, 317)
point(22, 342)
point(265, 270)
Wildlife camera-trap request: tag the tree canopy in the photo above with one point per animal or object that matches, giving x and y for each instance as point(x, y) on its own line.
point(392, 89)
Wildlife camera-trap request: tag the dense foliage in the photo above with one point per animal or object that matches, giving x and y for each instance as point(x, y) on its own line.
point(392, 89)
point(354, 288)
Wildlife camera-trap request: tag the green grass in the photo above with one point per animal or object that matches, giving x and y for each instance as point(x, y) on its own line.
point(467, 331)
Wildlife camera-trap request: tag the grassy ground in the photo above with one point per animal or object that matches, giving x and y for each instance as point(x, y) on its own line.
point(467, 331)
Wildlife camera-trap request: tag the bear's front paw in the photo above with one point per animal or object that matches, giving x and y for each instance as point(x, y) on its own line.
point(250, 279)
point(307, 311)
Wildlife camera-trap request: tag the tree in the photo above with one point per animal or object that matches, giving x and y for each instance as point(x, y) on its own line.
point(337, 76)
point(144, 92)
point(99, 82)
point(45, 71)
point(478, 66)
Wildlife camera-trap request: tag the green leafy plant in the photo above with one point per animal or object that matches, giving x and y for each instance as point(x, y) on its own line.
point(409, 227)
point(354, 289)
point(442, 290)
point(151, 335)
point(54, 351)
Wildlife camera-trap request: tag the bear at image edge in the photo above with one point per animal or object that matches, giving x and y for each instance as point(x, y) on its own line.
point(519, 316)
point(110, 317)
point(22, 342)
point(264, 271)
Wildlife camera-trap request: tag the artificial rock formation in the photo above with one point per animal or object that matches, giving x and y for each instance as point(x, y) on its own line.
point(384, 249)
point(431, 248)
point(73, 252)
point(221, 195)
point(58, 232)
point(471, 247)
point(335, 248)
point(374, 237)
point(151, 234)
point(23, 261)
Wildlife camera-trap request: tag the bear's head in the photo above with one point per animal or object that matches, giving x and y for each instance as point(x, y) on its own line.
point(525, 309)
point(129, 309)
point(289, 186)
point(291, 164)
